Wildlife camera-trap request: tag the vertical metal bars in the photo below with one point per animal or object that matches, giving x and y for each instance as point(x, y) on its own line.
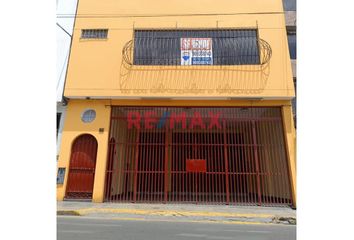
point(234, 156)
point(163, 47)
point(82, 168)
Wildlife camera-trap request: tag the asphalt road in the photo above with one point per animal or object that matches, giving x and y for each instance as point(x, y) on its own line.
point(83, 228)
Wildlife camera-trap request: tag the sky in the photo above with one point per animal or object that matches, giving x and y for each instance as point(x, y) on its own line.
point(63, 41)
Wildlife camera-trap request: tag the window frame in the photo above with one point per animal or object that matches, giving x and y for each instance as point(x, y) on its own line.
point(84, 120)
point(257, 38)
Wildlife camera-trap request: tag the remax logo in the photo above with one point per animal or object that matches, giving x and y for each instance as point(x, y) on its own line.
point(150, 120)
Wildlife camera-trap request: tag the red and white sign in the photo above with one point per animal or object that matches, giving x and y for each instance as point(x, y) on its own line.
point(196, 43)
point(196, 51)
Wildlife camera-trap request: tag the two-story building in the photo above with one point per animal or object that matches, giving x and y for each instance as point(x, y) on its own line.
point(179, 102)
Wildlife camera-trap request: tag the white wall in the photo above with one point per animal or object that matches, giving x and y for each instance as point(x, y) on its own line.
point(60, 109)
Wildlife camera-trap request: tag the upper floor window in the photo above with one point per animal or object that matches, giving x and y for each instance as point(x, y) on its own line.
point(292, 44)
point(289, 5)
point(94, 33)
point(196, 47)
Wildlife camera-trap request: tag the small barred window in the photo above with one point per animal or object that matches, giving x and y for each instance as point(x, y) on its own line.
point(94, 33)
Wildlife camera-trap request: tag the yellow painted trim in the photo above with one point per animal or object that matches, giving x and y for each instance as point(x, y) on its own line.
point(201, 103)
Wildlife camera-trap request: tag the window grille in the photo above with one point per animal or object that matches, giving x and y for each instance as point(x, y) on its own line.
point(241, 162)
point(94, 33)
point(229, 47)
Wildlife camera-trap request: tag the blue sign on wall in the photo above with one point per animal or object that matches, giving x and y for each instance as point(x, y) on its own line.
point(201, 61)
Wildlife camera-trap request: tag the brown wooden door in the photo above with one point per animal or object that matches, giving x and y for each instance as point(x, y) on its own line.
point(82, 168)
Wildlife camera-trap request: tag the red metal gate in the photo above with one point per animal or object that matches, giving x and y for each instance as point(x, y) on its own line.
point(82, 168)
point(198, 155)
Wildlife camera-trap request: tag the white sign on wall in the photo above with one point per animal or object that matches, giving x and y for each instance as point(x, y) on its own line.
point(196, 51)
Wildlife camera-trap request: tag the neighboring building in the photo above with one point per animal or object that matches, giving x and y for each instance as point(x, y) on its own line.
point(64, 32)
point(63, 51)
point(179, 101)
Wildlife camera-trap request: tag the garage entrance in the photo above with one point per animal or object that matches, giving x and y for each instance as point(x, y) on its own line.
point(82, 168)
point(197, 155)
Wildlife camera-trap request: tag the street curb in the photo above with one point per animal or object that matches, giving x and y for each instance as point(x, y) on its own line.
point(85, 211)
point(216, 217)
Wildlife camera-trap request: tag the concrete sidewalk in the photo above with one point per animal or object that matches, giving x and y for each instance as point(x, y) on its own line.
point(180, 212)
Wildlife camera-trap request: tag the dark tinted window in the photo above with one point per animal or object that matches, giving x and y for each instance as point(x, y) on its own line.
point(289, 5)
point(292, 45)
point(58, 122)
point(229, 47)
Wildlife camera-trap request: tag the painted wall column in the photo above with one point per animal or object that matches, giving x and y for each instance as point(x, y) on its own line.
point(290, 139)
point(101, 164)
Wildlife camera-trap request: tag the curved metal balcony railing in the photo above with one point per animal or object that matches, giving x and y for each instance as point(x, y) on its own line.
point(176, 79)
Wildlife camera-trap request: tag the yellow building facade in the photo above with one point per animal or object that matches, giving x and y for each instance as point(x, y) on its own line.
point(105, 76)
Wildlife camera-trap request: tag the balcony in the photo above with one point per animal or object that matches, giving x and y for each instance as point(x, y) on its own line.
point(244, 71)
